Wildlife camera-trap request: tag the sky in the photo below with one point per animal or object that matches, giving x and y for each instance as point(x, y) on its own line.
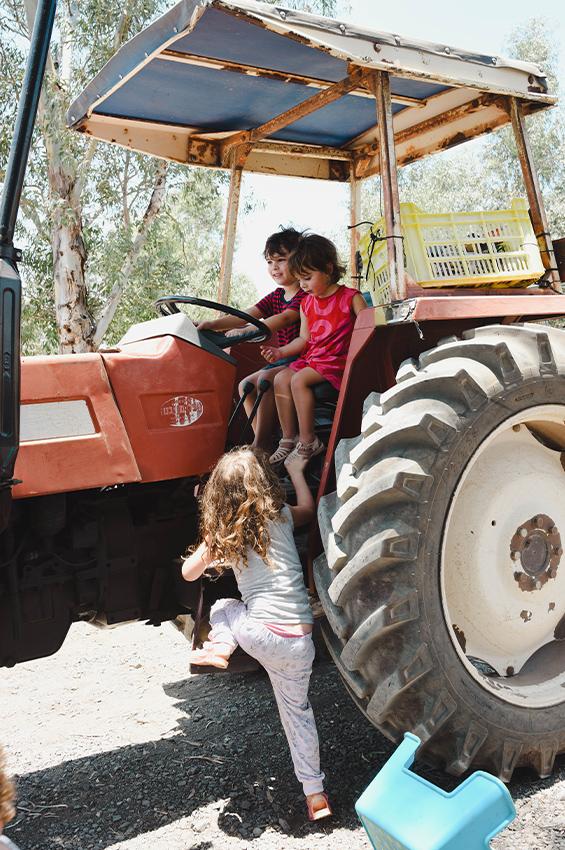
point(482, 25)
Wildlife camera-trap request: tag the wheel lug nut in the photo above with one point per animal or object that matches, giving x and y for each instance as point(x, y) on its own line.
point(523, 532)
point(514, 555)
point(539, 521)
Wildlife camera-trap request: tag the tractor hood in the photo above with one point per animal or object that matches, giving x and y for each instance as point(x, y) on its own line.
point(212, 73)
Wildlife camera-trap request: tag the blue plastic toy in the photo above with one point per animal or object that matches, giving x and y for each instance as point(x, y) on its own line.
point(402, 811)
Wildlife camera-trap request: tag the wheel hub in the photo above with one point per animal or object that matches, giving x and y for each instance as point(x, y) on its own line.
point(502, 587)
point(536, 547)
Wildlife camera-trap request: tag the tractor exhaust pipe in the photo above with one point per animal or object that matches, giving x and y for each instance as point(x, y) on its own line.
point(10, 284)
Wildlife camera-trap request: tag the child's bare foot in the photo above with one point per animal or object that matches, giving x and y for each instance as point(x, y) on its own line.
point(211, 655)
point(318, 806)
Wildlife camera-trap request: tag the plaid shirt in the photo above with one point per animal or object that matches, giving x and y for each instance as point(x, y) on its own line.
point(274, 304)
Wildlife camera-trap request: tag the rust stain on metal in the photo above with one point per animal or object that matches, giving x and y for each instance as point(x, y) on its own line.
point(450, 116)
point(551, 607)
point(289, 116)
point(243, 68)
point(460, 635)
point(338, 170)
point(526, 616)
point(530, 584)
point(536, 547)
point(537, 211)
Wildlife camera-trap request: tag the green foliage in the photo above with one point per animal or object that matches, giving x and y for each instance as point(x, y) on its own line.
point(318, 7)
point(182, 255)
point(183, 250)
point(486, 174)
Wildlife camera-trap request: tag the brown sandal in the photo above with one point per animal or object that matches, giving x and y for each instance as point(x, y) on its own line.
point(284, 449)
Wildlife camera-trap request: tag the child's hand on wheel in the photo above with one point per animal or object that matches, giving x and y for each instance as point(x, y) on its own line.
point(239, 331)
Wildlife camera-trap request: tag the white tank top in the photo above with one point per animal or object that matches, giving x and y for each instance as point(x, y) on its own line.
point(275, 594)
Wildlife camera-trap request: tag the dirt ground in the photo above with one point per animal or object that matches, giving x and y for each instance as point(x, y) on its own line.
point(114, 746)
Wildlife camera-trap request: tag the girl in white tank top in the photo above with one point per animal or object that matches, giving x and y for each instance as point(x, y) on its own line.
point(245, 525)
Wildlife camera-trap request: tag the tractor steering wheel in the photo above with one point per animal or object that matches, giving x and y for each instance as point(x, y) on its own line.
point(168, 305)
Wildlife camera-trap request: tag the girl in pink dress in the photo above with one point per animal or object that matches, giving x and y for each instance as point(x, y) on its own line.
point(327, 317)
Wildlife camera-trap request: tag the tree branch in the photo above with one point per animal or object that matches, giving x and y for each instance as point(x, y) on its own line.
point(83, 167)
point(51, 147)
point(151, 212)
point(122, 29)
point(29, 209)
point(125, 208)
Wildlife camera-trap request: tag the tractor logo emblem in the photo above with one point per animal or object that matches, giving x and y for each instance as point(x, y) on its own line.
point(182, 410)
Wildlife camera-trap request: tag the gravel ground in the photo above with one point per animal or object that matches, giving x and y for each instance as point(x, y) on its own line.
point(113, 744)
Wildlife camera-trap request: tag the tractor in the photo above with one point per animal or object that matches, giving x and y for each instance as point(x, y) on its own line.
point(438, 551)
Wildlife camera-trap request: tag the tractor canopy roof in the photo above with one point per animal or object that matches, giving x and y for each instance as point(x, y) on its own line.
point(213, 74)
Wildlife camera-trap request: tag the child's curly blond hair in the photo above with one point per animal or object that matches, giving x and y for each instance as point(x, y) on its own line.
point(7, 795)
point(242, 495)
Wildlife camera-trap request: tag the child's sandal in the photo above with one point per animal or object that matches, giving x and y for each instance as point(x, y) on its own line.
point(318, 806)
point(284, 449)
point(306, 451)
point(208, 657)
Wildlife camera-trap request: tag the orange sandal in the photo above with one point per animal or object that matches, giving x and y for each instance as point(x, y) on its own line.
point(208, 656)
point(318, 806)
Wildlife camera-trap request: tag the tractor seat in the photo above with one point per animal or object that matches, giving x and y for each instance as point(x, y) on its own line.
point(325, 405)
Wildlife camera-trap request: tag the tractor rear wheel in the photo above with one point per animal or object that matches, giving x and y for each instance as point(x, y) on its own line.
point(443, 579)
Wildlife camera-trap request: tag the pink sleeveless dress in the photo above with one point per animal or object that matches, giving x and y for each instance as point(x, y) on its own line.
point(330, 322)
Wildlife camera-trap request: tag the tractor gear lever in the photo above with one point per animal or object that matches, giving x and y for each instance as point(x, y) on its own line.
point(262, 388)
point(248, 387)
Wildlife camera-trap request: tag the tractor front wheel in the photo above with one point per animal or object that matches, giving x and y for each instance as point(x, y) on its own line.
point(443, 578)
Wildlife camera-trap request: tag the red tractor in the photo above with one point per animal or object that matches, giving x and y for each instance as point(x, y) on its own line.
point(438, 554)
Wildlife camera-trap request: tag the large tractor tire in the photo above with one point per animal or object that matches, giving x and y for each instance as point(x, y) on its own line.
point(443, 578)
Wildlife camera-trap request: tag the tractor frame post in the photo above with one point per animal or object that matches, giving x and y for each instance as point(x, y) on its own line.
point(380, 86)
point(537, 210)
point(10, 284)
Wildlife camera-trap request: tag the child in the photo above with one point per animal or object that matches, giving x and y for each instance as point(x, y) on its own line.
point(280, 309)
point(328, 315)
point(6, 805)
point(245, 524)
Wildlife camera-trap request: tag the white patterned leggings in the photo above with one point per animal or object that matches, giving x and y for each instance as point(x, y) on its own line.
point(288, 662)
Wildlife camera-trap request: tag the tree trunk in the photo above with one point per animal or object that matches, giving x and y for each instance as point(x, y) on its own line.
point(74, 322)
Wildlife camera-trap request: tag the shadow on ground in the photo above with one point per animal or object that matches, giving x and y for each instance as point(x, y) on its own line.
point(228, 747)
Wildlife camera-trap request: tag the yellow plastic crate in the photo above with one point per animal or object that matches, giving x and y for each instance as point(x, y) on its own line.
point(494, 249)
